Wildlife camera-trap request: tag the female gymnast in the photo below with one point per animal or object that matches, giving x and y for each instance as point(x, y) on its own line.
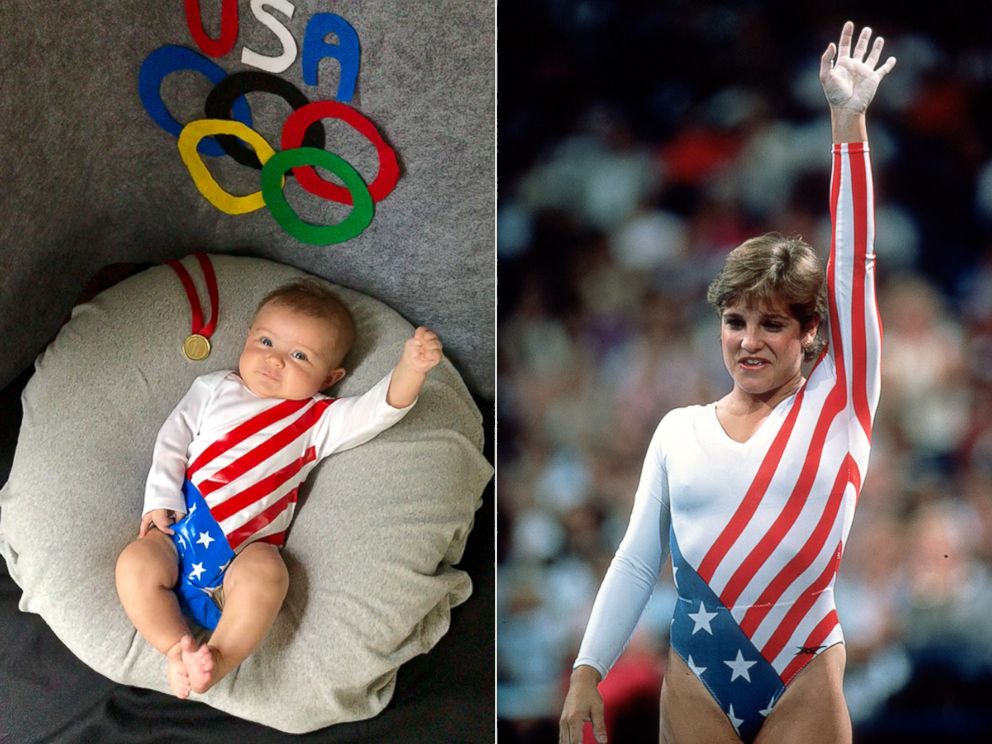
point(754, 494)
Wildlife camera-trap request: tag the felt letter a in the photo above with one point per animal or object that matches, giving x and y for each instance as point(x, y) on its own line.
point(281, 62)
point(346, 51)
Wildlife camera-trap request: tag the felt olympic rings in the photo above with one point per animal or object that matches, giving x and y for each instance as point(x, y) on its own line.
point(224, 201)
point(173, 58)
point(227, 126)
point(225, 94)
point(302, 121)
point(353, 224)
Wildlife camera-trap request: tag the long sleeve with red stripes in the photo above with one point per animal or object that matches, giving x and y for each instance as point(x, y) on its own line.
point(855, 327)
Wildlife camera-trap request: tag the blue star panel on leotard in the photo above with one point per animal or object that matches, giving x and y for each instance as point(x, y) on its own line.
point(204, 555)
point(738, 677)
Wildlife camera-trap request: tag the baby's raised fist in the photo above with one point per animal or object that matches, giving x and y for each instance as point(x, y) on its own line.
point(422, 351)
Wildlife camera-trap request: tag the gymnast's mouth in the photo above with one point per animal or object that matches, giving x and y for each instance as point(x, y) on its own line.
point(753, 362)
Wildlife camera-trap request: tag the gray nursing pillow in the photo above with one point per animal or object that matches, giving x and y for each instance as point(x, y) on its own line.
point(370, 554)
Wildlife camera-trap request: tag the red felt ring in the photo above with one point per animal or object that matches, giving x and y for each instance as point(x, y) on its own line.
point(292, 136)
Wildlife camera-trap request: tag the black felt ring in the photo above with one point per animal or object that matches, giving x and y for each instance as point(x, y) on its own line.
point(221, 100)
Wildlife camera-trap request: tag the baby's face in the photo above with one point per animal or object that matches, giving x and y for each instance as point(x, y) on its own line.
point(290, 355)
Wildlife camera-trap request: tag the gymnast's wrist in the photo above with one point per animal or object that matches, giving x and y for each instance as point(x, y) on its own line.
point(585, 674)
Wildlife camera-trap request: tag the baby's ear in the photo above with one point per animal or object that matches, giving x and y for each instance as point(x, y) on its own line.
point(333, 377)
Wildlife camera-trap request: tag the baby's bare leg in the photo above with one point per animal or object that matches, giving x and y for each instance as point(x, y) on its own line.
point(255, 586)
point(147, 570)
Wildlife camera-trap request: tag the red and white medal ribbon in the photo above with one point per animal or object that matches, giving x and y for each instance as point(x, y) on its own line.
point(196, 347)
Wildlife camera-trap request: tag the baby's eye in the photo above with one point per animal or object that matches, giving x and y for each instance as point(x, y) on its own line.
point(299, 355)
point(265, 341)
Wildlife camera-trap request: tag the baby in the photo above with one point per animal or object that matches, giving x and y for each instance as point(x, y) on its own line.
point(225, 471)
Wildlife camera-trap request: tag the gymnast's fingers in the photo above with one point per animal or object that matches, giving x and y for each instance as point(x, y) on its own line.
point(844, 46)
point(875, 53)
point(598, 723)
point(862, 46)
point(827, 60)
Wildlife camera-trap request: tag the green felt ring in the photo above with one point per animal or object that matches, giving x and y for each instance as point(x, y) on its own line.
point(275, 199)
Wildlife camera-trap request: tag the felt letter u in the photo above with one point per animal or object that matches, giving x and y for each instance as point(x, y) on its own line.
point(228, 28)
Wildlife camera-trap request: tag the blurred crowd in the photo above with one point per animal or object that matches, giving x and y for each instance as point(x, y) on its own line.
point(638, 144)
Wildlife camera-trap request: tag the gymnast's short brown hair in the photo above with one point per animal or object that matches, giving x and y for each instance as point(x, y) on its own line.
point(773, 268)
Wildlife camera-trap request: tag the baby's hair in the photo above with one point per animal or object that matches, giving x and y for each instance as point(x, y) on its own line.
point(312, 298)
point(773, 268)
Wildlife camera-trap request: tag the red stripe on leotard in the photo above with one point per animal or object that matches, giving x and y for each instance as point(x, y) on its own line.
point(265, 450)
point(847, 473)
point(241, 432)
point(262, 488)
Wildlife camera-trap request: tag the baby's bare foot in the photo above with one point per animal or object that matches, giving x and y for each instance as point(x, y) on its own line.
point(199, 663)
point(176, 670)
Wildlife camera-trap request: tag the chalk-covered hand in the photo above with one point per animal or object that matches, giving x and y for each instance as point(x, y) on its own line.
point(422, 351)
point(161, 518)
point(850, 78)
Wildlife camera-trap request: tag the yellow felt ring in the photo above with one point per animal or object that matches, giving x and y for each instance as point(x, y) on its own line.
point(190, 137)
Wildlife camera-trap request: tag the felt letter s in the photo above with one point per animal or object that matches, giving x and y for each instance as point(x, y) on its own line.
point(279, 63)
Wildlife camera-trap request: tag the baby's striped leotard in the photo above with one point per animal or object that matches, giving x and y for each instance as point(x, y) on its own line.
point(757, 529)
point(233, 463)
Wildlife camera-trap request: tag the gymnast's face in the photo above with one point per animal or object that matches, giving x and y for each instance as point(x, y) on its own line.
point(290, 355)
point(763, 347)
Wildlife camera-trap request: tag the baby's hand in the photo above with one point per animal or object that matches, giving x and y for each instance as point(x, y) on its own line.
point(422, 352)
point(161, 518)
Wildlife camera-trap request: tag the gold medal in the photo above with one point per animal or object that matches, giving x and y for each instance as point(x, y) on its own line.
point(196, 347)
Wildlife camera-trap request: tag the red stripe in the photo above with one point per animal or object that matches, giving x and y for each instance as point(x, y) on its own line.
point(847, 473)
point(835, 337)
point(241, 432)
point(261, 489)
point(787, 517)
point(277, 538)
point(798, 610)
point(260, 521)
point(859, 376)
point(752, 498)
point(819, 634)
point(265, 450)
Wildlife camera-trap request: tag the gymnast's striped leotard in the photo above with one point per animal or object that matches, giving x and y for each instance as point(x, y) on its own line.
point(757, 529)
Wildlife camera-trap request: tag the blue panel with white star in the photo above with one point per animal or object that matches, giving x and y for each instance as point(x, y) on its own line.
point(711, 643)
point(204, 555)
